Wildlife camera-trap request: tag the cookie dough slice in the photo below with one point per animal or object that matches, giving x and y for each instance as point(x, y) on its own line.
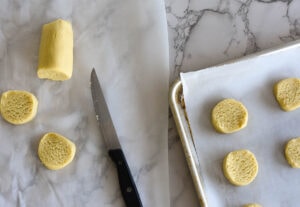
point(56, 51)
point(292, 152)
point(240, 167)
point(252, 205)
point(287, 93)
point(229, 115)
point(18, 107)
point(56, 151)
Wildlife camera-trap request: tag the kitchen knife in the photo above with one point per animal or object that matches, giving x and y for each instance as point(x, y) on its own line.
point(126, 182)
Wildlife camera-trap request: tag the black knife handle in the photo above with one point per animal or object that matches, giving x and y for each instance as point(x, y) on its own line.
point(126, 182)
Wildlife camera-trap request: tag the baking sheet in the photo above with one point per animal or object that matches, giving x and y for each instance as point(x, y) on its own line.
point(250, 81)
point(177, 106)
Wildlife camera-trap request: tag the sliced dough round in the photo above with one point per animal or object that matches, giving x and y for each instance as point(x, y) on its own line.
point(56, 151)
point(292, 152)
point(229, 116)
point(240, 167)
point(18, 107)
point(252, 205)
point(287, 93)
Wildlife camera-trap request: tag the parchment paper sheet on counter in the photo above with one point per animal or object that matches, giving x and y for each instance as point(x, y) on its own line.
point(126, 42)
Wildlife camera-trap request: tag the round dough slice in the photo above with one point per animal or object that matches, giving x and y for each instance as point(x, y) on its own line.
point(287, 93)
point(18, 107)
point(240, 167)
point(56, 151)
point(292, 152)
point(252, 205)
point(229, 116)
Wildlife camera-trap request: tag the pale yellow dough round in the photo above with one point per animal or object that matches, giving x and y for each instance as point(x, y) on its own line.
point(229, 115)
point(240, 167)
point(292, 152)
point(252, 205)
point(56, 151)
point(287, 93)
point(18, 107)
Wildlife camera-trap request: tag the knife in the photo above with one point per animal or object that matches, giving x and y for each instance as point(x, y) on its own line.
point(107, 129)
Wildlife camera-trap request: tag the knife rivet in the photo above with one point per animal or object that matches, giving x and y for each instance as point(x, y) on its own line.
point(129, 189)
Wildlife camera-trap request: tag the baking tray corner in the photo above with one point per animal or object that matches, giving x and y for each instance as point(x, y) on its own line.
point(177, 106)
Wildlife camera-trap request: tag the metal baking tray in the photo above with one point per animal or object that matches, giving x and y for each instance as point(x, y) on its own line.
point(177, 105)
point(181, 120)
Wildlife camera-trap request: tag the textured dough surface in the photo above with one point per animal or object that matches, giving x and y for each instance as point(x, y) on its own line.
point(56, 151)
point(252, 205)
point(287, 93)
point(229, 116)
point(18, 107)
point(292, 152)
point(240, 167)
point(56, 51)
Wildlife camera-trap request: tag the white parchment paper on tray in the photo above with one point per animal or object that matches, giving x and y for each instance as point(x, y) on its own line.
point(250, 81)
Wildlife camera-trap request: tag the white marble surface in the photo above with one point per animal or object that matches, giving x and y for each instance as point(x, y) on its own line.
point(203, 33)
point(117, 38)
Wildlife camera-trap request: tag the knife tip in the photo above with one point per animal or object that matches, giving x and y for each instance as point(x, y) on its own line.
point(93, 73)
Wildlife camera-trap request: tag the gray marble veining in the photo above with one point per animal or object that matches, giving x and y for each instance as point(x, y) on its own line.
point(203, 33)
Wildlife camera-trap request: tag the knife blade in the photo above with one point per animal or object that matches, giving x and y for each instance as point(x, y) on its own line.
point(128, 189)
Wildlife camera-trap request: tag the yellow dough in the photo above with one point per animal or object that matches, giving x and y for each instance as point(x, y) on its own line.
point(56, 51)
point(229, 116)
point(252, 205)
point(292, 152)
point(56, 151)
point(240, 167)
point(18, 107)
point(287, 93)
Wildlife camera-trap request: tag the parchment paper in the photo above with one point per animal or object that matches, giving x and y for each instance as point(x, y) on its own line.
point(126, 42)
point(250, 81)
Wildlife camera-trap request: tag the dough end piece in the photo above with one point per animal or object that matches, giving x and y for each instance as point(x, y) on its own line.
point(56, 51)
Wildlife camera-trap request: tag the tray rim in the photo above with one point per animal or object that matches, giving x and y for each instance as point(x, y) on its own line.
point(182, 125)
point(186, 140)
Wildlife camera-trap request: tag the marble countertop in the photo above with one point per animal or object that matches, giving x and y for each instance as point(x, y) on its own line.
point(117, 36)
point(208, 32)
